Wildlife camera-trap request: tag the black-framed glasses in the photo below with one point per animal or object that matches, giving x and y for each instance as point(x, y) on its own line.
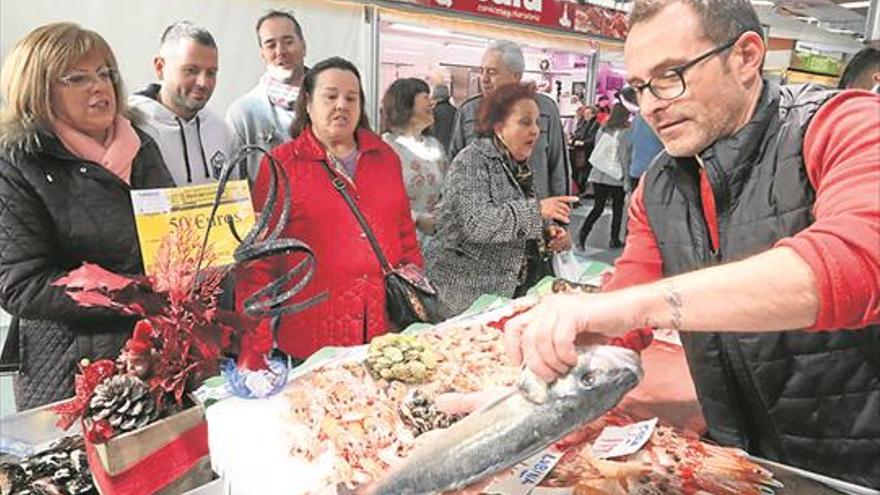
point(670, 85)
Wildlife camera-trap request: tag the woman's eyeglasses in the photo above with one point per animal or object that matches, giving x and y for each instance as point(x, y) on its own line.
point(83, 80)
point(671, 84)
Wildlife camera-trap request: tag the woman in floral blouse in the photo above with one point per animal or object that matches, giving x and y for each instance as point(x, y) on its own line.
point(407, 111)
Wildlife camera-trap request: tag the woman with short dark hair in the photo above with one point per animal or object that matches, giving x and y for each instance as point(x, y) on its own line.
point(407, 111)
point(494, 235)
point(331, 131)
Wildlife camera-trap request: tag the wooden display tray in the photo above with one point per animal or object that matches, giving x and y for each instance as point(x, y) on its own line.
point(28, 432)
point(123, 451)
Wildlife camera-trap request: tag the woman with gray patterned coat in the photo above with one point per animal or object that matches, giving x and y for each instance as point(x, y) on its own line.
point(493, 233)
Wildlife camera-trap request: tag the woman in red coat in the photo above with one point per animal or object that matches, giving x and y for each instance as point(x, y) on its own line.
point(330, 121)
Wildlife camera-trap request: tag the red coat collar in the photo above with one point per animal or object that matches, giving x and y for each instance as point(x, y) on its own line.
point(308, 147)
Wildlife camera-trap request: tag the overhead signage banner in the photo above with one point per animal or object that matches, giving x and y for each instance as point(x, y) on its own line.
point(559, 15)
point(814, 62)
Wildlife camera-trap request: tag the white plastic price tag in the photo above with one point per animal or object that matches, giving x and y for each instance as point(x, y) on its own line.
point(527, 474)
point(617, 441)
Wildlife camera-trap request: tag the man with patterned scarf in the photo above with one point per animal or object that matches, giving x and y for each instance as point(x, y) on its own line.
point(263, 116)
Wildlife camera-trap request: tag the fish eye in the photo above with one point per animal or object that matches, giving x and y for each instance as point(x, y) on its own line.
point(588, 379)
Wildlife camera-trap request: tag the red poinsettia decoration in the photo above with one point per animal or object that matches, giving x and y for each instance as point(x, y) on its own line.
point(182, 333)
point(90, 376)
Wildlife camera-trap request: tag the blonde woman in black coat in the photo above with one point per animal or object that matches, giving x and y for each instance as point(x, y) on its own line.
point(69, 158)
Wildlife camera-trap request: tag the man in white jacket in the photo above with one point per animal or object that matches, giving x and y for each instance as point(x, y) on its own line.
point(194, 141)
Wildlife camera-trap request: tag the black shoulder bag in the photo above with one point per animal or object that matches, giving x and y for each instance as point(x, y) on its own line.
point(409, 296)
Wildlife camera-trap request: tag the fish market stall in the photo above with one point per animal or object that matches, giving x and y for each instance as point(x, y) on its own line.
point(350, 416)
point(355, 420)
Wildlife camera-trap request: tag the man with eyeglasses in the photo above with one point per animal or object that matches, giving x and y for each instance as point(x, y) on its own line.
point(195, 142)
point(503, 63)
point(756, 233)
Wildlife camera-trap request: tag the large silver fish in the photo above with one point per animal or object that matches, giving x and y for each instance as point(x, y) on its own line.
point(519, 426)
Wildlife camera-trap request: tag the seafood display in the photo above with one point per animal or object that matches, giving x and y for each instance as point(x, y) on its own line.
point(342, 416)
point(421, 414)
point(362, 425)
point(519, 426)
point(669, 463)
point(400, 357)
point(61, 469)
point(469, 358)
point(372, 432)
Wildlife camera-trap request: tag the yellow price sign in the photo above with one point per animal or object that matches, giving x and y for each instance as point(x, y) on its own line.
point(158, 212)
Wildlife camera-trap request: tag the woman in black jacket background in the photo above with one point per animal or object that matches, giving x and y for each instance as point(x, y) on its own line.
point(69, 157)
point(583, 139)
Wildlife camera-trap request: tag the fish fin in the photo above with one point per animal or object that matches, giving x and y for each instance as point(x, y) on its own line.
point(494, 402)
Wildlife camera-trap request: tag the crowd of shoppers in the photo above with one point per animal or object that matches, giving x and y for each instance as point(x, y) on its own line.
point(752, 226)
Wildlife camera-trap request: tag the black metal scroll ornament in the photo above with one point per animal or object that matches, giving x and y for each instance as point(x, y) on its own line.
point(261, 243)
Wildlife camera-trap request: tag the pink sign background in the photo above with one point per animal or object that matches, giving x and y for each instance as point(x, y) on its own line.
point(566, 16)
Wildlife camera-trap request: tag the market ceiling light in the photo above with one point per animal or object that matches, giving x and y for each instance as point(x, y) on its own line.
point(419, 29)
point(401, 52)
point(761, 3)
point(813, 21)
point(840, 31)
point(462, 46)
point(855, 5)
point(409, 28)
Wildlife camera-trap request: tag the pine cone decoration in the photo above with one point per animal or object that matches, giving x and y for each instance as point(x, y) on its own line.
point(124, 401)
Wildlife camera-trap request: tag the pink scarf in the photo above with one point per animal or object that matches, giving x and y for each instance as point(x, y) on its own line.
point(115, 153)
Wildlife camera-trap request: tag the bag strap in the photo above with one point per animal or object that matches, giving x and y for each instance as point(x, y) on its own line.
point(339, 185)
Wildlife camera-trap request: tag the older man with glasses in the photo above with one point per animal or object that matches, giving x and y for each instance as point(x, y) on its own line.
point(503, 63)
point(756, 233)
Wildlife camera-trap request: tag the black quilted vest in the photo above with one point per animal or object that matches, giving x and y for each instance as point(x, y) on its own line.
point(809, 399)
